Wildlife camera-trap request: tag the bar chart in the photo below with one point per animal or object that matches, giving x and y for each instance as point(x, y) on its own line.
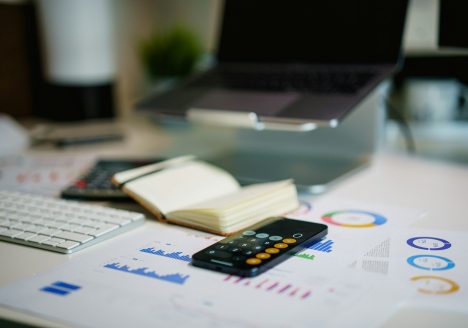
point(176, 278)
point(271, 286)
point(173, 255)
point(324, 245)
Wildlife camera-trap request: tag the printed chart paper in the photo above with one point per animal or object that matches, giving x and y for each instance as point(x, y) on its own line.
point(430, 263)
point(44, 174)
point(145, 280)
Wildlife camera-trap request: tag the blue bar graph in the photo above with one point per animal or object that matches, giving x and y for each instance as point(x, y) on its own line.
point(66, 285)
point(60, 288)
point(322, 246)
point(55, 291)
point(176, 278)
point(173, 255)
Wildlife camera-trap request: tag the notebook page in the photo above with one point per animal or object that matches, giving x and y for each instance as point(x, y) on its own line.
point(184, 185)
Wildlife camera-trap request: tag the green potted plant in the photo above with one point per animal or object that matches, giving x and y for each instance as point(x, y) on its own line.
point(169, 55)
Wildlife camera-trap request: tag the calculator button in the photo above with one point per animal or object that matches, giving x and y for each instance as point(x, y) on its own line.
point(263, 256)
point(281, 245)
point(253, 261)
point(238, 258)
point(235, 250)
point(275, 238)
point(267, 243)
point(244, 245)
point(297, 235)
point(220, 254)
point(248, 233)
point(221, 246)
point(253, 240)
point(272, 250)
point(262, 235)
point(80, 184)
point(248, 253)
point(289, 240)
point(258, 247)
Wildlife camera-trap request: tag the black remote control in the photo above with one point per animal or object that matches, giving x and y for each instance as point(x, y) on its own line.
point(259, 247)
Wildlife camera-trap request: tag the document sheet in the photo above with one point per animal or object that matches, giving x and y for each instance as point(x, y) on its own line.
point(144, 279)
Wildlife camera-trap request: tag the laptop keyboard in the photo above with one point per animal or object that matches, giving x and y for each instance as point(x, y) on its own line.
point(324, 81)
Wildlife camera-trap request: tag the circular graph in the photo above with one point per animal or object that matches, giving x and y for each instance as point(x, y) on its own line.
point(430, 262)
point(354, 218)
point(435, 285)
point(429, 243)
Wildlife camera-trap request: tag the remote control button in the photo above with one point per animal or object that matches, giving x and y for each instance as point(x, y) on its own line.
point(275, 238)
point(281, 245)
point(272, 250)
point(248, 233)
point(220, 254)
point(262, 235)
point(297, 235)
point(263, 256)
point(289, 240)
point(253, 261)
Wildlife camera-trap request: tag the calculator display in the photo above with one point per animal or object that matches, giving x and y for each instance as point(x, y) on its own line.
point(259, 247)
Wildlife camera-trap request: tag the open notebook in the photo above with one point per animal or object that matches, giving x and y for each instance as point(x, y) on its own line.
point(196, 194)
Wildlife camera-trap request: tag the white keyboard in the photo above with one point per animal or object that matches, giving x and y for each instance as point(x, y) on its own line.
point(59, 225)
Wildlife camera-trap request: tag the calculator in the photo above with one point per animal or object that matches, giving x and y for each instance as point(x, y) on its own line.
point(96, 183)
point(259, 247)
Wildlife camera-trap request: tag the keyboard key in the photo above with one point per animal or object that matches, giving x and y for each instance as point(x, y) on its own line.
point(11, 233)
point(117, 220)
point(39, 238)
point(73, 236)
point(50, 231)
point(104, 229)
point(53, 241)
point(25, 235)
point(68, 244)
point(84, 230)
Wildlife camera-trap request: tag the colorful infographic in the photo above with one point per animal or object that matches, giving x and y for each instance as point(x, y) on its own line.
point(354, 219)
point(435, 285)
point(429, 243)
point(431, 262)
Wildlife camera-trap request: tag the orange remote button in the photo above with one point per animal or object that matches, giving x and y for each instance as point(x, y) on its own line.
point(253, 261)
point(281, 245)
point(272, 250)
point(289, 240)
point(263, 256)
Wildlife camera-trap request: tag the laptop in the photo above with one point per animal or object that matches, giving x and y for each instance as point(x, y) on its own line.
point(293, 61)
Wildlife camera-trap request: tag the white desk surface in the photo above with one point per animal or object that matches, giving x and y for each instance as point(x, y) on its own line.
point(393, 179)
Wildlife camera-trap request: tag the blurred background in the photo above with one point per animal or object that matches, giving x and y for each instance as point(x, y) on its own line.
point(66, 60)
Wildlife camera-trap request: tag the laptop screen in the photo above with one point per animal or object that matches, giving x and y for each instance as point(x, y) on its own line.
point(311, 31)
